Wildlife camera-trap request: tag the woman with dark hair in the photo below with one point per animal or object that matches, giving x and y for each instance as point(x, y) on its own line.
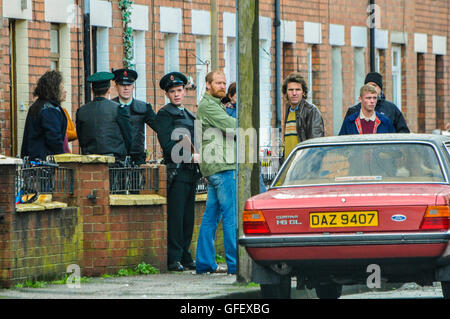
point(46, 123)
point(230, 100)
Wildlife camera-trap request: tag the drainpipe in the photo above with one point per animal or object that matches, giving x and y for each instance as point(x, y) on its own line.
point(87, 49)
point(372, 35)
point(277, 24)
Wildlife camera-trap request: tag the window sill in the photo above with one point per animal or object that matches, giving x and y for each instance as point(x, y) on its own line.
point(136, 200)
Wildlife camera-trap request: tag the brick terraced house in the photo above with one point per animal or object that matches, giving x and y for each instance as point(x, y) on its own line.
point(328, 41)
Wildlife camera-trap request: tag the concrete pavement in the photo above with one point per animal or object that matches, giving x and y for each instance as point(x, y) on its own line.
point(173, 285)
point(188, 285)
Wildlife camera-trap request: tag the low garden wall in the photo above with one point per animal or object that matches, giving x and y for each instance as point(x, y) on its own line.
point(91, 228)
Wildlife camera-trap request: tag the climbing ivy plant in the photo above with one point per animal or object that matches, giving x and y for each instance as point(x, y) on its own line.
point(125, 7)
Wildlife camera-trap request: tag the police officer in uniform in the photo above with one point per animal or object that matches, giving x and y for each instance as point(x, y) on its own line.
point(140, 112)
point(103, 126)
point(176, 136)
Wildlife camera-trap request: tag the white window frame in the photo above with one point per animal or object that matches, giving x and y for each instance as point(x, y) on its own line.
point(230, 60)
point(171, 53)
point(397, 75)
point(377, 61)
point(337, 89)
point(310, 73)
point(202, 63)
point(265, 115)
point(139, 58)
point(102, 49)
point(54, 46)
point(359, 71)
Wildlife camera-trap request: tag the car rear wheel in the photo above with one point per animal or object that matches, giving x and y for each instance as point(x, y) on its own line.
point(277, 291)
point(328, 291)
point(445, 289)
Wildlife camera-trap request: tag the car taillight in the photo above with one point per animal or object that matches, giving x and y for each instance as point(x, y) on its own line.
point(254, 222)
point(436, 218)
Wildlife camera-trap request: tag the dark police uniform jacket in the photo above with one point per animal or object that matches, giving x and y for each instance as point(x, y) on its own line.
point(171, 118)
point(103, 128)
point(140, 113)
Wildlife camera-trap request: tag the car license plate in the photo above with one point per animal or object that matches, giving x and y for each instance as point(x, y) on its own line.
point(343, 219)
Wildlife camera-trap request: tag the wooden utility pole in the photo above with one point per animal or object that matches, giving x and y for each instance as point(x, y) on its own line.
point(214, 35)
point(248, 117)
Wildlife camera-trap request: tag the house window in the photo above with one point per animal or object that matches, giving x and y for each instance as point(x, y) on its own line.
point(359, 70)
point(230, 61)
point(202, 63)
point(420, 93)
point(139, 58)
point(100, 43)
point(337, 87)
point(440, 90)
point(309, 61)
point(54, 46)
point(265, 90)
point(171, 55)
point(397, 76)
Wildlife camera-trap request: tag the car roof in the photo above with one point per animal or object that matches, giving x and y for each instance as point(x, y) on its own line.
point(397, 137)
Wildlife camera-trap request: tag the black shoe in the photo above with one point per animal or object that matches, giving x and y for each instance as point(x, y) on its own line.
point(176, 266)
point(190, 266)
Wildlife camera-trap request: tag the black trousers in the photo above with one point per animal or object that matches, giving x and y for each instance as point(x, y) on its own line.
point(180, 220)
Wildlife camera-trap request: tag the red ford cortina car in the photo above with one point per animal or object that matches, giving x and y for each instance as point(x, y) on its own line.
point(353, 210)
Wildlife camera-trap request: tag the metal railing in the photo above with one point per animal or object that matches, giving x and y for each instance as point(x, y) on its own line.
point(40, 177)
point(202, 186)
point(126, 178)
point(269, 168)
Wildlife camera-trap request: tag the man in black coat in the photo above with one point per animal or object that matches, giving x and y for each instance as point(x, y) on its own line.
point(103, 126)
point(175, 135)
point(387, 108)
point(140, 112)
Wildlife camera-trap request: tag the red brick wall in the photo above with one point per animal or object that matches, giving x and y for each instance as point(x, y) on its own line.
point(7, 174)
point(98, 237)
point(44, 243)
point(35, 245)
point(39, 245)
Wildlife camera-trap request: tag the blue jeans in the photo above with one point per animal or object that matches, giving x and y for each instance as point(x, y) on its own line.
point(220, 204)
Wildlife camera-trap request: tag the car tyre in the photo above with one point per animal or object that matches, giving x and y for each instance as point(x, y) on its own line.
point(277, 291)
point(328, 291)
point(445, 289)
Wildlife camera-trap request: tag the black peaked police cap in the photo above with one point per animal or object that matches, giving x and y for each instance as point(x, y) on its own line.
point(172, 79)
point(125, 76)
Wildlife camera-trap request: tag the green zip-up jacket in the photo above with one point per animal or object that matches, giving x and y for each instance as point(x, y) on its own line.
point(218, 136)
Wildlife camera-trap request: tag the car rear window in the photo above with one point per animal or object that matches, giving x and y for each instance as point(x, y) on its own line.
point(362, 163)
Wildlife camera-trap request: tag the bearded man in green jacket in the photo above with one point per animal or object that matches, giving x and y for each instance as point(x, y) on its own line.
point(218, 165)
